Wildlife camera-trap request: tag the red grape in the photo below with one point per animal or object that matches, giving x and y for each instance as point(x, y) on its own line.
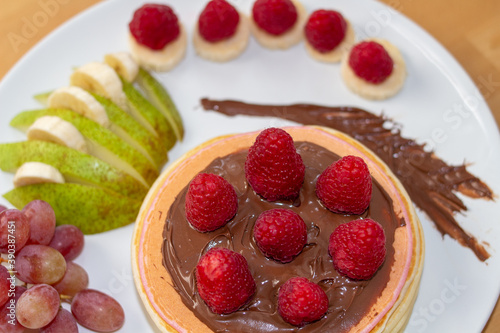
point(37, 306)
point(4, 285)
point(68, 240)
point(75, 279)
point(42, 221)
point(64, 322)
point(40, 264)
point(14, 231)
point(8, 321)
point(97, 311)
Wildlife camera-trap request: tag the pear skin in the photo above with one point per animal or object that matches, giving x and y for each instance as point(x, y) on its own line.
point(141, 108)
point(160, 98)
point(91, 209)
point(101, 142)
point(126, 127)
point(75, 166)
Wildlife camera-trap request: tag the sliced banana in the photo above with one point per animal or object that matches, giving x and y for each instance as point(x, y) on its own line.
point(123, 64)
point(287, 39)
point(389, 87)
point(36, 173)
point(81, 101)
point(57, 130)
point(338, 52)
point(160, 60)
point(226, 49)
point(101, 79)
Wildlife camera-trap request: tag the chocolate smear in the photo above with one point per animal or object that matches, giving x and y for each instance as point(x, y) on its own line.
point(431, 183)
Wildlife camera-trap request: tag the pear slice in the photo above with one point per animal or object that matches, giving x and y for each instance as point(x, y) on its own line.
point(144, 111)
point(91, 209)
point(160, 98)
point(43, 98)
point(54, 129)
point(35, 173)
point(75, 166)
point(101, 142)
point(126, 127)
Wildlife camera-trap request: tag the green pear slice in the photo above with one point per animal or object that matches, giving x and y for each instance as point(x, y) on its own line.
point(43, 98)
point(91, 209)
point(160, 98)
point(101, 142)
point(126, 127)
point(141, 109)
point(75, 166)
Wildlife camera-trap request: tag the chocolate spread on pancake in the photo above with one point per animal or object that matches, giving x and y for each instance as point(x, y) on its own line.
point(349, 300)
point(430, 182)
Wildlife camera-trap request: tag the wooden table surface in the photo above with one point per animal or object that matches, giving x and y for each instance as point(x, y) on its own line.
point(470, 30)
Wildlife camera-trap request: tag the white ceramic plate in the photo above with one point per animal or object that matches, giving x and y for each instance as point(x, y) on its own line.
point(439, 105)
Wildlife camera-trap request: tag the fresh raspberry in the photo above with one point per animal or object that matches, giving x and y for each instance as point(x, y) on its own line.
point(273, 167)
point(224, 280)
point(325, 29)
point(371, 62)
point(301, 301)
point(280, 234)
point(274, 16)
point(345, 186)
point(358, 248)
point(154, 26)
point(210, 202)
point(218, 21)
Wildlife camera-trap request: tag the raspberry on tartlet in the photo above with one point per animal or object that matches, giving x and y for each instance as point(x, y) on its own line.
point(358, 248)
point(154, 26)
point(224, 280)
point(371, 61)
point(325, 29)
point(210, 202)
point(274, 16)
point(273, 167)
point(218, 21)
point(301, 301)
point(345, 186)
point(280, 234)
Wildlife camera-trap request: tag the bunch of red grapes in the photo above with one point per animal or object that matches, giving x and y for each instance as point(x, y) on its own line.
point(38, 274)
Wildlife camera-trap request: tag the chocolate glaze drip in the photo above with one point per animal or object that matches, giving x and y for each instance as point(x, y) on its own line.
point(430, 182)
point(349, 300)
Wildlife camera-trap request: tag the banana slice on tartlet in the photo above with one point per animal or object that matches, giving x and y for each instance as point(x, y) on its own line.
point(284, 40)
point(389, 311)
point(389, 87)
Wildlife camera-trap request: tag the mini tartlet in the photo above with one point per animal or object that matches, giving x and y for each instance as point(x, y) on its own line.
point(284, 40)
point(222, 48)
point(389, 312)
point(376, 91)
